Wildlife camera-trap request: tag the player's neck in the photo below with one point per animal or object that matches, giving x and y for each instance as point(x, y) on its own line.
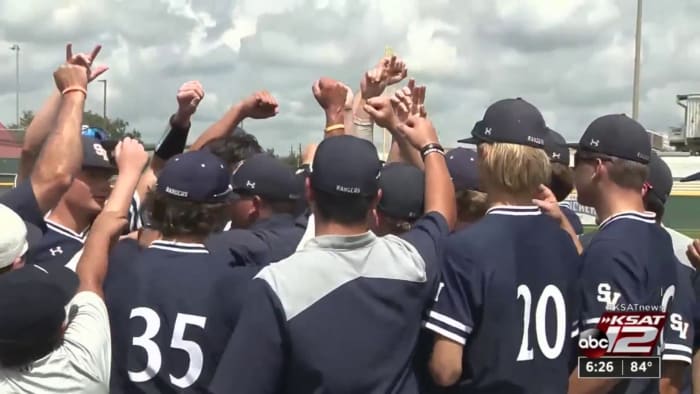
point(69, 218)
point(614, 202)
point(324, 227)
point(498, 199)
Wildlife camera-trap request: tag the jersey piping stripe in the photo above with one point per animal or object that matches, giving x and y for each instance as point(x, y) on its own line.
point(181, 247)
point(646, 217)
point(528, 210)
point(180, 250)
point(678, 348)
point(450, 322)
point(445, 333)
point(676, 357)
point(66, 232)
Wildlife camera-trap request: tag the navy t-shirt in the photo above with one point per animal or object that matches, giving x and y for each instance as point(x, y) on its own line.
point(342, 315)
point(629, 261)
point(182, 307)
point(509, 296)
point(22, 200)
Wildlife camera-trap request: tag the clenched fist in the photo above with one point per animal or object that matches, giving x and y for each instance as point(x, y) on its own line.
point(260, 105)
point(330, 94)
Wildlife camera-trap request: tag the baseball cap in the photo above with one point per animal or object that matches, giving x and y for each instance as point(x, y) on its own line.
point(32, 303)
point(96, 154)
point(13, 236)
point(618, 136)
point(196, 176)
point(513, 121)
point(660, 178)
point(556, 148)
point(692, 178)
point(463, 168)
point(267, 177)
point(346, 165)
point(403, 191)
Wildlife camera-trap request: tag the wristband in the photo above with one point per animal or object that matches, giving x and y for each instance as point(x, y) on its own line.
point(74, 89)
point(334, 127)
point(431, 148)
point(173, 143)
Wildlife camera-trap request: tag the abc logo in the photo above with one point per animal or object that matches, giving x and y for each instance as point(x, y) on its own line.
point(593, 343)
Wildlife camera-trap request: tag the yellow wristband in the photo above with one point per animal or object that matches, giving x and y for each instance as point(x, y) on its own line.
point(74, 89)
point(335, 127)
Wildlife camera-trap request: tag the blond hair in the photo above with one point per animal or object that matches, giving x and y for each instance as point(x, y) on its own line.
point(471, 205)
point(516, 170)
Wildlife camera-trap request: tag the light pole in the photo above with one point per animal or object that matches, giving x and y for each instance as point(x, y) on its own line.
point(104, 102)
point(15, 48)
point(637, 60)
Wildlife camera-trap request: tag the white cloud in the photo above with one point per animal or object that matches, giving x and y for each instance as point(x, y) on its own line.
point(571, 58)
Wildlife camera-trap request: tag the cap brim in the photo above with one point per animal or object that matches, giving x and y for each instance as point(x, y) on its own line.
point(572, 145)
point(470, 140)
point(692, 178)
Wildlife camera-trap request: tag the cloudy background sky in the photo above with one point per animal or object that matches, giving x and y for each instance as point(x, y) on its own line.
point(571, 58)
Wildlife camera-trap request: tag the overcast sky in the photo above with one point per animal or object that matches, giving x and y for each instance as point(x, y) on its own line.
point(571, 58)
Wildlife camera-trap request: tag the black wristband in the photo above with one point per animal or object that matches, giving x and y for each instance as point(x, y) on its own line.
point(173, 143)
point(431, 148)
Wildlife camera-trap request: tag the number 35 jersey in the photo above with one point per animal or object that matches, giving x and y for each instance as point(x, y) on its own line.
point(182, 307)
point(509, 297)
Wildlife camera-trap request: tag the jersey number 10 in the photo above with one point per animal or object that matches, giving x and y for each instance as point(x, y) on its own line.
point(153, 354)
point(550, 292)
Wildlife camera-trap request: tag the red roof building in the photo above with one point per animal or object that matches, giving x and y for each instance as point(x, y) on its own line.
point(10, 148)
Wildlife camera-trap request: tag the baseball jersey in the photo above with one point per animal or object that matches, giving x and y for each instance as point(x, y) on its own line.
point(509, 297)
point(182, 307)
point(573, 219)
point(341, 315)
point(22, 200)
point(267, 240)
point(629, 261)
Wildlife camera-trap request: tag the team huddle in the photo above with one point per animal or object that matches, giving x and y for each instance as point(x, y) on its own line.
point(220, 269)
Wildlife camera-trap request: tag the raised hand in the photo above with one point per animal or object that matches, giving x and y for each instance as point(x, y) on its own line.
point(260, 105)
point(394, 68)
point(188, 98)
point(86, 60)
point(373, 83)
point(418, 131)
point(547, 202)
point(330, 94)
point(130, 155)
point(382, 110)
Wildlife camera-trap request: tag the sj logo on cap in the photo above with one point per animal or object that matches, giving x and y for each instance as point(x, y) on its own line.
point(100, 151)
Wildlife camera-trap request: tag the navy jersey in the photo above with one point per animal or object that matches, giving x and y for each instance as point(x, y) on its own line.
point(340, 316)
point(182, 306)
point(266, 241)
point(629, 261)
point(22, 200)
point(509, 296)
point(57, 247)
point(573, 219)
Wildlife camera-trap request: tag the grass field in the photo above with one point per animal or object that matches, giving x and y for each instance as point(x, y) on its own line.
point(692, 233)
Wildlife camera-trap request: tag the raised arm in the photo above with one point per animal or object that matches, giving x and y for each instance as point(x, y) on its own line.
point(61, 156)
point(259, 105)
point(331, 95)
point(45, 120)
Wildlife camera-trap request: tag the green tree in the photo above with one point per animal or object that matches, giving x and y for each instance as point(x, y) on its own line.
point(117, 128)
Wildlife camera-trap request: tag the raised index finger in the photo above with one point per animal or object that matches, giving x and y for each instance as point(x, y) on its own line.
point(95, 52)
point(69, 51)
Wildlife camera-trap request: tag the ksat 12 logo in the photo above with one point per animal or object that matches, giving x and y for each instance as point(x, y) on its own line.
point(623, 334)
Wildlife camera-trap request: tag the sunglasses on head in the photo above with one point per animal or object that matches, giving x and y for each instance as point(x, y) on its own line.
point(96, 133)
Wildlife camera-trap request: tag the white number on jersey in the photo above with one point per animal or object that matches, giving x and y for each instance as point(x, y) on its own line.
point(666, 299)
point(153, 354)
point(551, 352)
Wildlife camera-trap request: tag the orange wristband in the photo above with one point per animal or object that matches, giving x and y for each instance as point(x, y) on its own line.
point(335, 127)
point(74, 89)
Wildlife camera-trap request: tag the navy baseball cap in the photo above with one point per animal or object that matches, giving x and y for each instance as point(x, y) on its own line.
point(463, 168)
point(617, 136)
point(32, 303)
point(556, 147)
point(96, 154)
point(660, 179)
point(196, 176)
point(346, 165)
point(692, 178)
point(267, 177)
point(513, 121)
point(403, 191)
